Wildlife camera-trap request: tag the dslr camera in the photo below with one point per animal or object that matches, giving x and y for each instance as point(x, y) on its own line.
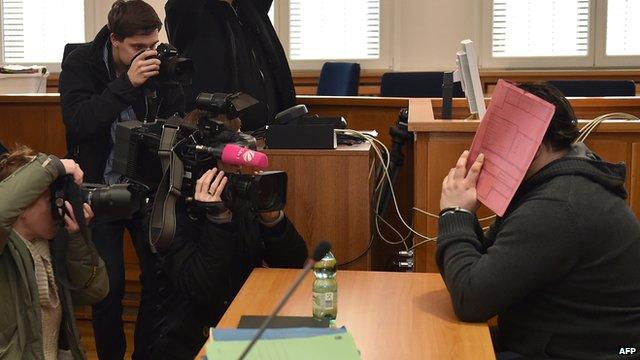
point(115, 202)
point(174, 69)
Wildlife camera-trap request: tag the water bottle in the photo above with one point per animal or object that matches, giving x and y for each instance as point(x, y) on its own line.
point(325, 289)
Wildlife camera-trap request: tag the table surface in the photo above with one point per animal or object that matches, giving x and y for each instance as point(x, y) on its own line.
point(390, 315)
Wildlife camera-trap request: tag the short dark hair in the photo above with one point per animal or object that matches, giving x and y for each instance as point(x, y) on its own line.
point(132, 17)
point(563, 129)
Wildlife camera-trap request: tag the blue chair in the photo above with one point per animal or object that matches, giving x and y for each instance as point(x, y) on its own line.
point(339, 79)
point(415, 84)
point(595, 88)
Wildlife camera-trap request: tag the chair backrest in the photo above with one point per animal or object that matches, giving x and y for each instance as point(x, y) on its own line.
point(339, 79)
point(68, 48)
point(415, 84)
point(595, 88)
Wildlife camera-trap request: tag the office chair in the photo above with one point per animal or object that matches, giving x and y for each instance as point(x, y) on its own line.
point(339, 79)
point(68, 48)
point(595, 88)
point(415, 84)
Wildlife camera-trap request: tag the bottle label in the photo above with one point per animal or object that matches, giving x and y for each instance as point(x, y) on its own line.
point(324, 301)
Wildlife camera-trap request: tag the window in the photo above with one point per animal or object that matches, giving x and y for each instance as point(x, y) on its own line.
point(35, 31)
point(623, 27)
point(560, 33)
point(316, 31)
point(540, 28)
point(538, 33)
point(334, 29)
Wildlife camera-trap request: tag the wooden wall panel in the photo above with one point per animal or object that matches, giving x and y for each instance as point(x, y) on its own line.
point(329, 196)
point(306, 82)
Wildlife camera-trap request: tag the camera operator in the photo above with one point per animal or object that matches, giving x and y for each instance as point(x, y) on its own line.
point(36, 310)
point(102, 83)
point(215, 248)
point(234, 48)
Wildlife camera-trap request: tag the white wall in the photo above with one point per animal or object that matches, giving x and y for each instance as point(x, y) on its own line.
point(425, 33)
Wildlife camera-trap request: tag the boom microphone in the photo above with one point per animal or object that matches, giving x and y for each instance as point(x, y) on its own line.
point(318, 253)
point(232, 154)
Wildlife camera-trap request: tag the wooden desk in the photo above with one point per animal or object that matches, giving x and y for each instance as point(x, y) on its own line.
point(439, 143)
point(329, 197)
point(390, 315)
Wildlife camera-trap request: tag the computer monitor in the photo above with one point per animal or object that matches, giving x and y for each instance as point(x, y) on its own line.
point(469, 77)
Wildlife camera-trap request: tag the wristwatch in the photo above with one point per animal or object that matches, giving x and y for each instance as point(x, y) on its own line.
point(453, 210)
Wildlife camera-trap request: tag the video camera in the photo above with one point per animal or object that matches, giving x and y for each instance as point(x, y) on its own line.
point(146, 154)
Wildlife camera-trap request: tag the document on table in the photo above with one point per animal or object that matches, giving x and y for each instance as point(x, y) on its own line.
point(335, 346)
point(509, 135)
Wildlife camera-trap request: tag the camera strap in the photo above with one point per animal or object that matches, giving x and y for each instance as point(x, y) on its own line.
point(162, 225)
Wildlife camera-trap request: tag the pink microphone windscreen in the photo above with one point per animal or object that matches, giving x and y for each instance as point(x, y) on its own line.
point(238, 155)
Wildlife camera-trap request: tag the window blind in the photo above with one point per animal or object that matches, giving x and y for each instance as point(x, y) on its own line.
point(334, 29)
point(623, 27)
point(531, 28)
point(35, 31)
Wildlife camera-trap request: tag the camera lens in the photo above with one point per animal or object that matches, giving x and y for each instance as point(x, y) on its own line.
point(112, 201)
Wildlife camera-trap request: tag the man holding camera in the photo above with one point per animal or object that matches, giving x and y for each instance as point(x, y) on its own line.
point(234, 47)
point(102, 83)
point(220, 238)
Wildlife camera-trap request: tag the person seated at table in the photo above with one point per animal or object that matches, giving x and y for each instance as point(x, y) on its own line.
point(36, 310)
point(560, 268)
point(210, 258)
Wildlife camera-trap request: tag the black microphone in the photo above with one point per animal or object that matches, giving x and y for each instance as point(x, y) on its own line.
point(318, 253)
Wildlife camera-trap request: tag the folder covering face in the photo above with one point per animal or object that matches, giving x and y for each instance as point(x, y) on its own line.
point(509, 136)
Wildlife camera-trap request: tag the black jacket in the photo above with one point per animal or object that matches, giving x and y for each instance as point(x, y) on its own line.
point(233, 50)
point(204, 269)
point(91, 101)
point(561, 269)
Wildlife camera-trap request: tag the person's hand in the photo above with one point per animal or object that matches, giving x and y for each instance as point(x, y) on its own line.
point(143, 67)
point(210, 186)
point(70, 219)
point(459, 187)
point(269, 216)
point(72, 168)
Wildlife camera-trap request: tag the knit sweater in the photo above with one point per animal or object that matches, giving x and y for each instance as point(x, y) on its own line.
point(48, 294)
point(560, 269)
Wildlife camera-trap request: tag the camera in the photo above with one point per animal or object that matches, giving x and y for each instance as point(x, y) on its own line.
point(115, 202)
point(174, 70)
point(230, 105)
point(195, 148)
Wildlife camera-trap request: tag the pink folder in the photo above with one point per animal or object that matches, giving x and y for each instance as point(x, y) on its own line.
point(509, 135)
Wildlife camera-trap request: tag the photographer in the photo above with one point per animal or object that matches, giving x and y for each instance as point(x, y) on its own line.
point(36, 311)
point(215, 248)
point(102, 83)
point(234, 48)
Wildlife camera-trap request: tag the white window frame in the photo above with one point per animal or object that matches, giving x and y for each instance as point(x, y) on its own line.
point(488, 61)
point(602, 59)
point(385, 60)
point(89, 24)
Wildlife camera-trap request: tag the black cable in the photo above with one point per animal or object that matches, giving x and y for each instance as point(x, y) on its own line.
point(366, 250)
